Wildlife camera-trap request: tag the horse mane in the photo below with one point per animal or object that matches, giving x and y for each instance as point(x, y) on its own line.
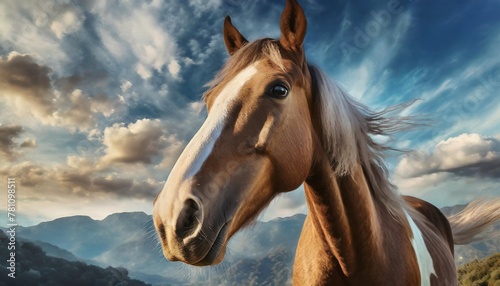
point(347, 126)
point(247, 55)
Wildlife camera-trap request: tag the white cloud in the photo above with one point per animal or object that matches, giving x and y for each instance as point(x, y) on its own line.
point(113, 44)
point(25, 27)
point(143, 71)
point(196, 106)
point(80, 179)
point(201, 55)
point(27, 89)
point(171, 153)
point(202, 6)
point(138, 30)
point(138, 142)
point(28, 143)
point(126, 85)
point(84, 164)
point(50, 192)
point(29, 174)
point(421, 184)
point(67, 22)
point(137, 38)
point(457, 170)
point(174, 68)
point(74, 109)
point(465, 154)
point(445, 189)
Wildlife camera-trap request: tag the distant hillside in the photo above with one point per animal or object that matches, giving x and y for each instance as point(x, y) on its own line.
point(128, 240)
point(258, 242)
point(263, 238)
point(88, 238)
point(122, 240)
point(52, 250)
point(483, 272)
point(34, 267)
point(478, 250)
point(447, 211)
point(273, 269)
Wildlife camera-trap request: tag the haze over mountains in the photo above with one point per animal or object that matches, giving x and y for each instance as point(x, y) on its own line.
point(35, 267)
point(263, 253)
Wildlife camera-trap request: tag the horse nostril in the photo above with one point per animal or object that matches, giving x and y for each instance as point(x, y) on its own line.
point(161, 232)
point(188, 219)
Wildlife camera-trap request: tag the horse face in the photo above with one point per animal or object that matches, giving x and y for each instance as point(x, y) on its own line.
point(255, 143)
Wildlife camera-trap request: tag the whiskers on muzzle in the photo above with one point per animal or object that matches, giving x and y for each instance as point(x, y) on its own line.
point(208, 275)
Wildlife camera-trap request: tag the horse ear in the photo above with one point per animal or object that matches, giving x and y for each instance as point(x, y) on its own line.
point(232, 37)
point(293, 26)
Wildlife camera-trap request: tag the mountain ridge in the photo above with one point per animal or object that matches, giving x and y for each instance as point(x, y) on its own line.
point(34, 267)
point(128, 240)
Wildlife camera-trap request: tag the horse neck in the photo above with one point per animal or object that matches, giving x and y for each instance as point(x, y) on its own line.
point(345, 217)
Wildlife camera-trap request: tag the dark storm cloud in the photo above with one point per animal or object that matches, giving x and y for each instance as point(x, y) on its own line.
point(488, 168)
point(9, 148)
point(22, 77)
point(29, 174)
point(112, 185)
point(7, 136)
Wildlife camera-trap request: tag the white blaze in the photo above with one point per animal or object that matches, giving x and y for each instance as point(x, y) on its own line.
point(201, 145)
point(424, 259)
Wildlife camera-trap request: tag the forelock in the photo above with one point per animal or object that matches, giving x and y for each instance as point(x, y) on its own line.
point(250, 53)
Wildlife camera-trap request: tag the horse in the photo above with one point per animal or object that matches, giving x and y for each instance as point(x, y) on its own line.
point(275, 122)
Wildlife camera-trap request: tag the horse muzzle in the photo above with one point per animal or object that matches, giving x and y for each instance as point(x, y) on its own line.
point(189, 237)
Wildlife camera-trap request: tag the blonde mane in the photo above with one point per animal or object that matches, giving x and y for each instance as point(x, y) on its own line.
point(346, 124)
point(346, 128)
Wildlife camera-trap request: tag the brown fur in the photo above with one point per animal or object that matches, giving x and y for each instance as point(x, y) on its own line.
point(434, 216)
point(232, 37)
point(343, 241)
point(356, 231)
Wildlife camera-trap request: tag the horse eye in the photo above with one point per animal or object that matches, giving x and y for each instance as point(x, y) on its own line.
point(278, 91)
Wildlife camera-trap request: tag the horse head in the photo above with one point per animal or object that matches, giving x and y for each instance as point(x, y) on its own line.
point(256, 142)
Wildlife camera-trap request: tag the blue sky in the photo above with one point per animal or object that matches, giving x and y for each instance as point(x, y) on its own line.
point(97, 99)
